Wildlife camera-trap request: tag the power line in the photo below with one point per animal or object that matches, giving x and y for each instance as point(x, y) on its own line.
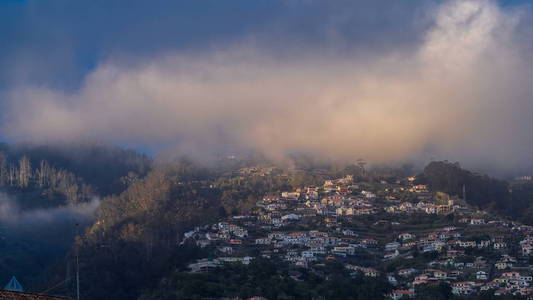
point(53, 287)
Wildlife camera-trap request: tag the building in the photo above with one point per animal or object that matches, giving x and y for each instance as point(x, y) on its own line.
point(406, 236)
point(392, 246)
point(399, 294)
point(481, 275)
point(406, 272)
point(463, 288)
point(203, 265)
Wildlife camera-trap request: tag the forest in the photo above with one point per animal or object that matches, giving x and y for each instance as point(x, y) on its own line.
point(45, 192)
point(510, 198)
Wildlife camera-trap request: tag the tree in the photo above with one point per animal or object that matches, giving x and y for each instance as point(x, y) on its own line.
point(3, 169)
point(24, 172)
point(440, 291)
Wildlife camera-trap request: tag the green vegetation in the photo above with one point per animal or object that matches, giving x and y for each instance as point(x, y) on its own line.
point(273, 280)
point(511, 199)
point(42, 190)
point(440, 291)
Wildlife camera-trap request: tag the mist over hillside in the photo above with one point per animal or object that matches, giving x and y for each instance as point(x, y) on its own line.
point(45, 192)
point(281, 149)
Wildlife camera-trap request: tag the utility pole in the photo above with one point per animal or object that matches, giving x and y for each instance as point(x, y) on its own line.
point(77, 263)
point(362, 163)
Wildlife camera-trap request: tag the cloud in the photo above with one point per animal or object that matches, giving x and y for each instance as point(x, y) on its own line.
point(461, 91)
point(12, 214)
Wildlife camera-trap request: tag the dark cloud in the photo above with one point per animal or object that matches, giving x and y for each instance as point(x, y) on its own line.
point(59, 42)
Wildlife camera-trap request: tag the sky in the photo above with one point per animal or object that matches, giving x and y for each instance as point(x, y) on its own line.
point(387, 81)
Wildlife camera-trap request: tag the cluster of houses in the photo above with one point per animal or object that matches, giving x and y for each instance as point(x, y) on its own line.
point(466, 273)
point(422, 206)
point(508, 283)
point(309, 226)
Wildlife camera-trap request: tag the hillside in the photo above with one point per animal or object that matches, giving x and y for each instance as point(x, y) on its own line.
point(133, 242)
point(513, 199)
point(45, 192)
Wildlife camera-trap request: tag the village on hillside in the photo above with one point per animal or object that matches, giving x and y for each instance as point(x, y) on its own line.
point(396, 230)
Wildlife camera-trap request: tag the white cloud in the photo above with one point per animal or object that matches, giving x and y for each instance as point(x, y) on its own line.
point(460, 95)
